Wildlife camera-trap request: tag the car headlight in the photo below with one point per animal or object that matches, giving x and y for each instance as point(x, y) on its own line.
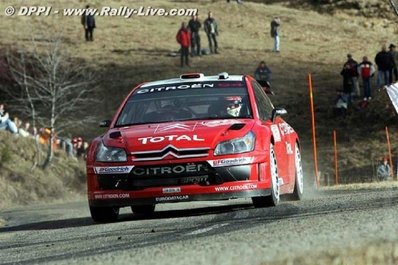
point(110, 154)
point(236, 146)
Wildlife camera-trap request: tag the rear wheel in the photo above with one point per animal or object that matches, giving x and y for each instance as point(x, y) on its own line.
point(274, 198)
point(143, 209)
point(299, 179)
point(104, 214)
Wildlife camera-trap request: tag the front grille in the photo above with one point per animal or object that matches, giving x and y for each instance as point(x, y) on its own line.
point(162, 175)
point(173, 175)
point(170, 150)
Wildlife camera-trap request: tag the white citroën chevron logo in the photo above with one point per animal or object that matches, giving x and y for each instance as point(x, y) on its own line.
point(176, 126)
point(172, 150)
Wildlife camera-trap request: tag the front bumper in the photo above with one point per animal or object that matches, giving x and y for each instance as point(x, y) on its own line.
point(189, 181)
point(188, 193)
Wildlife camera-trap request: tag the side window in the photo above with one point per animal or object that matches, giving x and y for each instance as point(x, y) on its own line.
point(264, 104)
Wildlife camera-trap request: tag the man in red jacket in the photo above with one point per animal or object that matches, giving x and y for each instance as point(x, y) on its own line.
point(184, 39)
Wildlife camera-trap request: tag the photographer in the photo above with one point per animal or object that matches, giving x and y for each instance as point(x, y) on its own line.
point(5, 122)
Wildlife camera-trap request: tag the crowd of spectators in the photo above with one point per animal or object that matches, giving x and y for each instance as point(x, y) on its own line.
point(75, 147)
point(188, 36)
point(361, 74)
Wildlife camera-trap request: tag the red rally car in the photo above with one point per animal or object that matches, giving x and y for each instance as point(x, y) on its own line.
point(193, 138)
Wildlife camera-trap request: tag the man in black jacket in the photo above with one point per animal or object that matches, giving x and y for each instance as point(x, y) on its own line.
point(194, 25)
point(384, 62)
point(88, 23)
point(211, 29)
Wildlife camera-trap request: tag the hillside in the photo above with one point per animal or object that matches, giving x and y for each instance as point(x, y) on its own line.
point(365, 8)
point(129, 51)
point(21, 182)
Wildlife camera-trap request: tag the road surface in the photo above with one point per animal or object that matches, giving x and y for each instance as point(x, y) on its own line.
point(328, 227)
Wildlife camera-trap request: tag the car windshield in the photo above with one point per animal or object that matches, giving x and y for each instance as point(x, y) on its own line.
point(186, 101)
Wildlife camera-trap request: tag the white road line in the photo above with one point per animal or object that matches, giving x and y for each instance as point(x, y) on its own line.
point(207, 229)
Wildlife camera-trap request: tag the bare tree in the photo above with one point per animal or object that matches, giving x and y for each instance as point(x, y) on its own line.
point(56, 88)
point(394, 5)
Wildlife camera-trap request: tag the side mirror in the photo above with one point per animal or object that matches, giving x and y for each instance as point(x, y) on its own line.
point(277, 112)
point(105, 123)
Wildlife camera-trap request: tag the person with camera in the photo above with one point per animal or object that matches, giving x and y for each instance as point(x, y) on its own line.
point(5, 122)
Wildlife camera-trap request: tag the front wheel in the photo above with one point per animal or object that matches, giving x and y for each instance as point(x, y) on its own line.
point(104, 214)
point(299, 178)
point(274, 198)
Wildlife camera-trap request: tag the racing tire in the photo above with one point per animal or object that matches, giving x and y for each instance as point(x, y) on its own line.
point(274, 198)
point(299, 176)
point(104, 214)
point(143, 209)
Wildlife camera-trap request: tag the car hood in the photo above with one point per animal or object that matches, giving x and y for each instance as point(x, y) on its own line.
point(180, 135)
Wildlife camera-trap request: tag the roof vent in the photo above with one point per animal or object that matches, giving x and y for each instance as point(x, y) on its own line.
point(223, 75)
point(192, 76)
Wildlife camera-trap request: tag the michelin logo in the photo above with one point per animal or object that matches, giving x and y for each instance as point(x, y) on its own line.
point(113, 170)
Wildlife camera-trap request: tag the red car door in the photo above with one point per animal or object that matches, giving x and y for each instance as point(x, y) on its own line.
point(282, 144)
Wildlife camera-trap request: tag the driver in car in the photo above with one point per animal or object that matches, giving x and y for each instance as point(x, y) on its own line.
point(225, 108)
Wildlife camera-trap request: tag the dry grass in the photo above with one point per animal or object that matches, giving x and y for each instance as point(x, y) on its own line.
point(22, 184)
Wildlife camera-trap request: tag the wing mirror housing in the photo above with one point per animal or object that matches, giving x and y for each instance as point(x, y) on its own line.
point(277, 112)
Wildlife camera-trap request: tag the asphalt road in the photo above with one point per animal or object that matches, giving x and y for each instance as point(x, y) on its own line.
point(226, 232)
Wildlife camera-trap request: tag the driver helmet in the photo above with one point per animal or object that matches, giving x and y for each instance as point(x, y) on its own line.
point(234, 104)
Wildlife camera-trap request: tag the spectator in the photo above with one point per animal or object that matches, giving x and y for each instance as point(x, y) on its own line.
point(5, 122)
point(393, 69)
point(262, 73)
point(34, 131)
point(184, 39)
point(66, 144)
point(384, 170)
point(341, 105)
point(194, 25)
point(80, 146)
point(85, 147)
point(275, 33)
point(44, 135)
point(17, 122)
point(25, 131)
point(366, 70)
point(384, 62)
point(88, 22)
point(348, 72)
point(211, 29)
point(352, 73)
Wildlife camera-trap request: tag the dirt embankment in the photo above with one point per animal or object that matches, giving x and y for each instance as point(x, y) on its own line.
point(22, 182)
